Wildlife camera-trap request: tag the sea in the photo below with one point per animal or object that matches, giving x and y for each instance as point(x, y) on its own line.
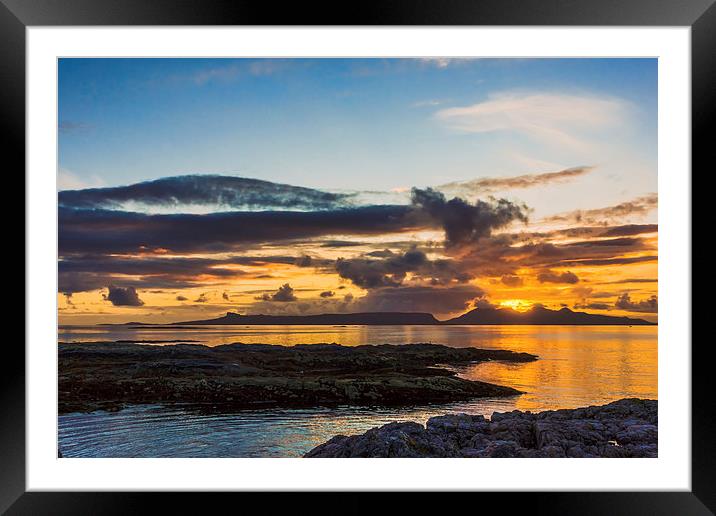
point(578, 366)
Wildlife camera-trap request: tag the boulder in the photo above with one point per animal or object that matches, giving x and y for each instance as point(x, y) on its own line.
point(624, 428)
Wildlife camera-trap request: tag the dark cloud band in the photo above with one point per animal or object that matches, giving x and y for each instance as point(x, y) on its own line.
point(106, 231)
point(226, 191)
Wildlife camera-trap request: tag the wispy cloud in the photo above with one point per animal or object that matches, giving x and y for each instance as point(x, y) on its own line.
point(428, 103)
point(68, 180)
point(491, 184)
point(68, 126)
point(445, 62)
point(558, 119)
point(373, 67)
point(555, 277)
point(639, 206)
point(233, 70)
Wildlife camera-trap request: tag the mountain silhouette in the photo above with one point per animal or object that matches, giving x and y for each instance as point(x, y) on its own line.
point(541, 315)
point(368, 318)
point(537, 315)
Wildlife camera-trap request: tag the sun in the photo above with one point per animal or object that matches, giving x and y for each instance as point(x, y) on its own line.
point(517, 304)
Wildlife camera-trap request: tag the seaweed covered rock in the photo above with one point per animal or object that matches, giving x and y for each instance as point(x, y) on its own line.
point(112, 375)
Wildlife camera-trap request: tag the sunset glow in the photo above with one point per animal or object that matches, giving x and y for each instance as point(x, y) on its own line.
point(517, 304)
point(190, 188)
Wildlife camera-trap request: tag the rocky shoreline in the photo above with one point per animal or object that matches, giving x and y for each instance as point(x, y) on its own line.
point(112, 375)
point(624, 428)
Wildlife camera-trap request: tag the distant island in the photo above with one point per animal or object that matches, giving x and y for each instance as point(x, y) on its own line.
point(540, 315)
point(537, 315)
point(369, 318)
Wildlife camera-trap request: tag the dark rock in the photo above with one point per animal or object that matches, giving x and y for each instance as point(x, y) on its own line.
point(106, 376)
point(624, 428)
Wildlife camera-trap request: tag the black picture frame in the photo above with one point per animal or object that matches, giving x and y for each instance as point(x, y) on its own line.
point(17, 15)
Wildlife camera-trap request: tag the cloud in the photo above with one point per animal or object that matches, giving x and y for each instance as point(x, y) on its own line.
point(79, 273)
point(435, 300)
point(492, 184)
point(593, 232)
point(304, 306)
point(608, 242)
point(585, 293)
point(84, 230)
point(92, 272)
point(284, 294)
point(592, 306)
point(607, 261)
point(67, 180)
point(445, 62)
point(389, 272)
point(341, 243)
point(484, 304)
point(392, 269)
point(649, 305)
point(511, 280)
point(544, 254)
point(630, 229)
point(557, 119)
point(68, 126)
point(304, 261)
point(373, 67)
point(107, 231)
point(582, 291)
point(428, 103)
point(554, 277)
point(123, 296)
point(235, 69)
point(100, 247)
point(70, 282)
point(634, 280)
point(639, 206)
point(384, 253)
point(217, 73)
point(166, 267)
point(506, 253)
point(463, 222)
point(182, 298)
point(203, 190)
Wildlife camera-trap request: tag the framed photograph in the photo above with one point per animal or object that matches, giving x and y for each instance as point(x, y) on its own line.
point(421, 249)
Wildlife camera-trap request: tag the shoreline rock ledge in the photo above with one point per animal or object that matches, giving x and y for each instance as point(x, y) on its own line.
point(624, 428)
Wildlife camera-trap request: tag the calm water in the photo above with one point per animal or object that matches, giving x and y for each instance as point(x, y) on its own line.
point(578, 366)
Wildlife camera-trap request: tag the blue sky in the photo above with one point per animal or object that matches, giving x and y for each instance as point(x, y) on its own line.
point(362, 124)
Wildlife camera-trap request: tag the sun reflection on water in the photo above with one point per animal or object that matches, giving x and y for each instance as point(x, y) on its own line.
point(577, 366)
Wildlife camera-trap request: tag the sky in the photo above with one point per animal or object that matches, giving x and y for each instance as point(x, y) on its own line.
point(193, 187)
